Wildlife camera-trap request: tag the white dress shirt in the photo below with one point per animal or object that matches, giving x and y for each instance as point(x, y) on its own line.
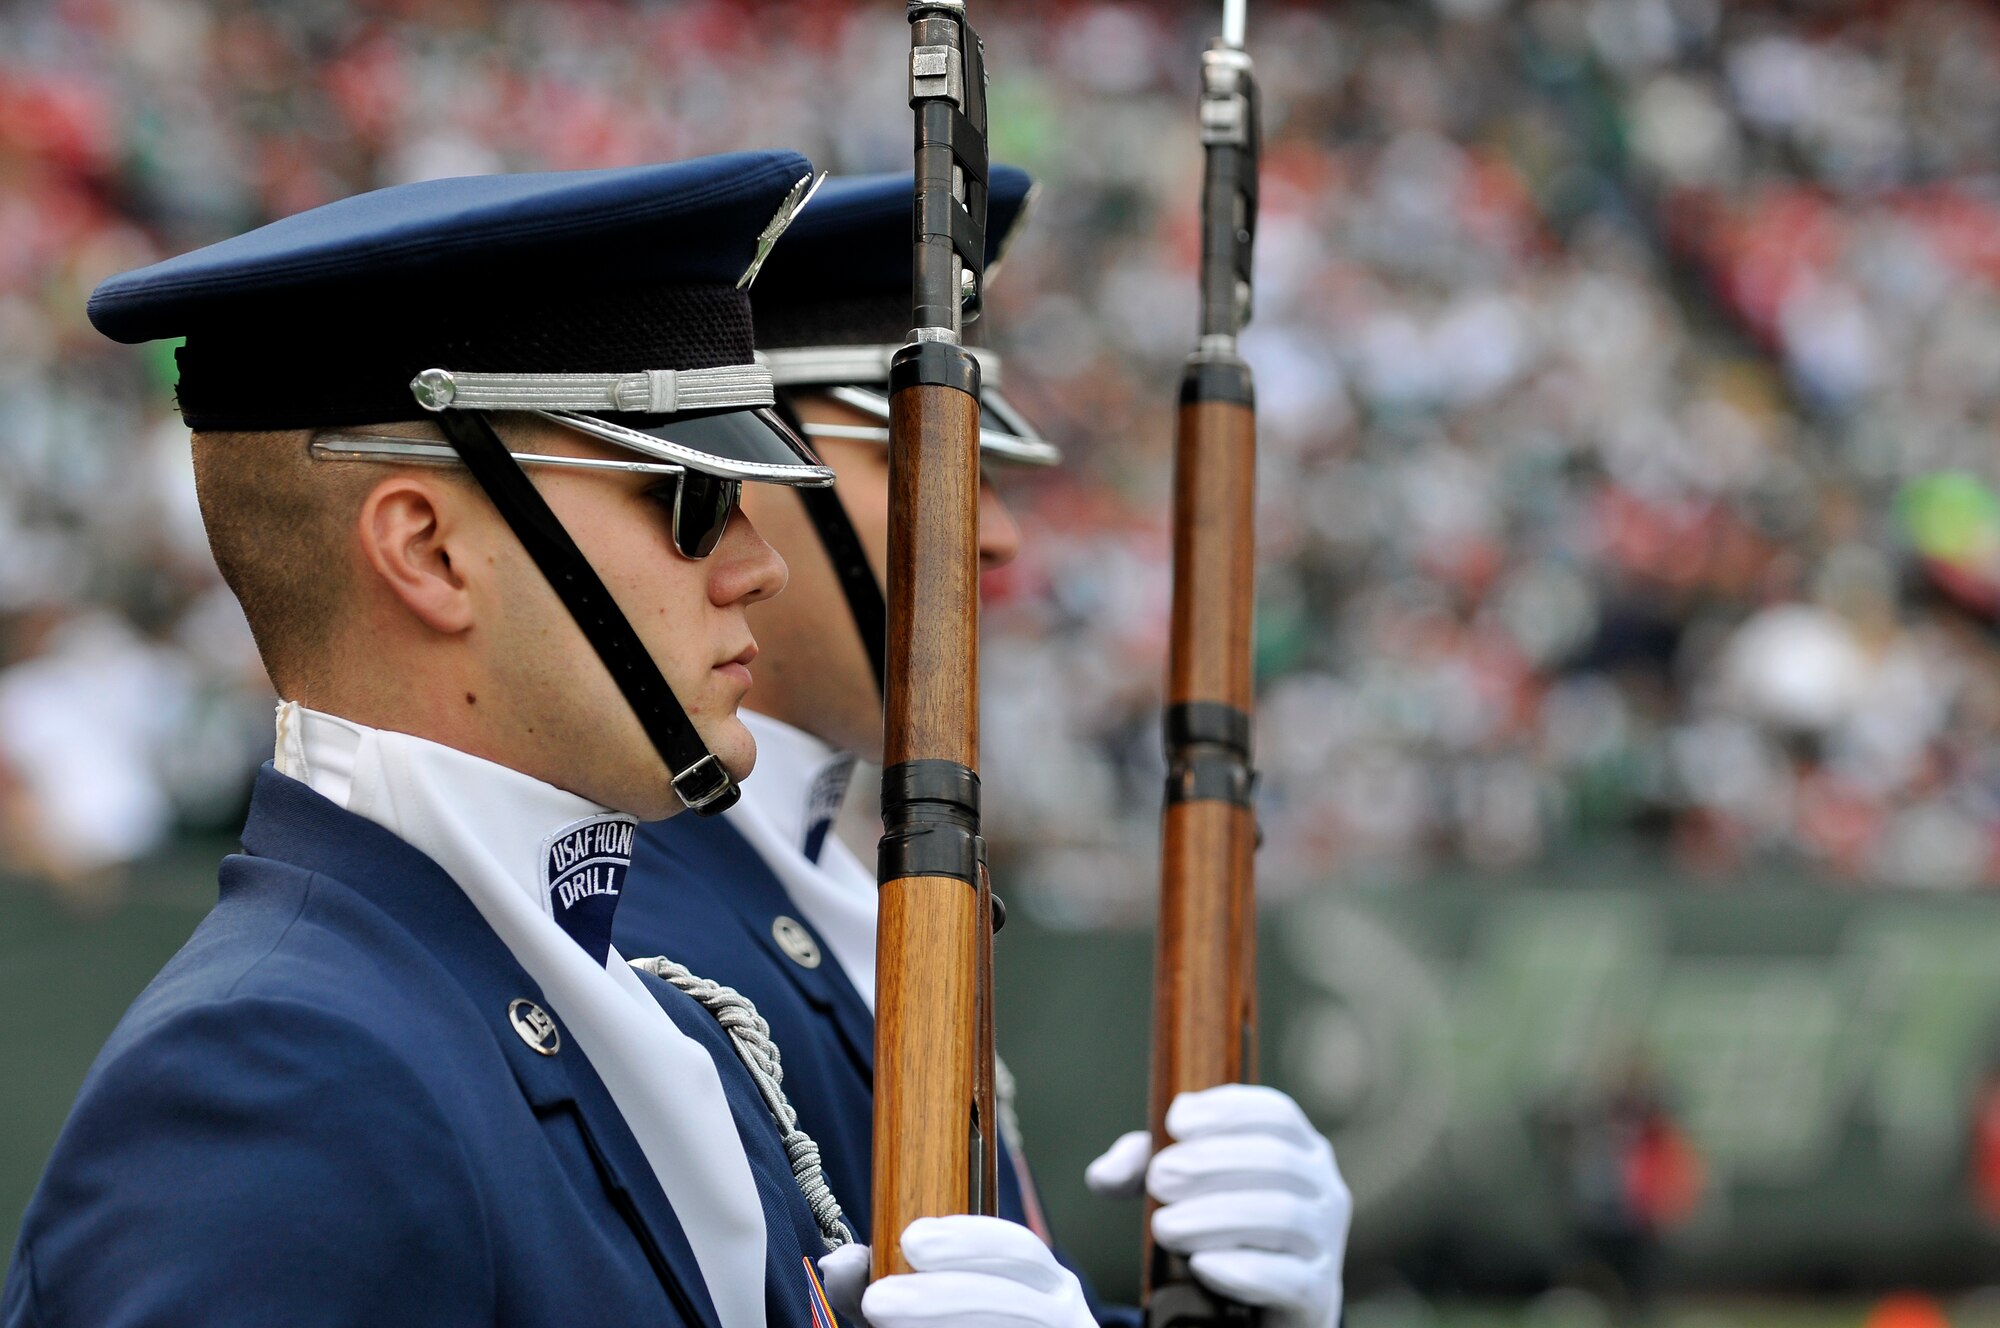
point(786, 815)
point(543, 867)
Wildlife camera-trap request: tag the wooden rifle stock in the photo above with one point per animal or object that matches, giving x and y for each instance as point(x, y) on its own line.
point(1204, 977)
point(934, 931)
point(935, 1139)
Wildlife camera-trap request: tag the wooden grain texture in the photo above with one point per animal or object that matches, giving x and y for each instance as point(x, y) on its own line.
point(930, 936)
point(1215, 553)
point(1204, 970)
point(924, 1017)
point(931, 702)
point(1205, 959)
point(1204, 965)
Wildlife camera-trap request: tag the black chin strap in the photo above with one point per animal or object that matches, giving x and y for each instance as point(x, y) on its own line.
point(850, 561)
point(703, 785)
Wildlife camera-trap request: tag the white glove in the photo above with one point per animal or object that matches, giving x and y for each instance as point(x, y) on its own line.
point(843, 1273)
point(1249, 1191)
point(974, 1272)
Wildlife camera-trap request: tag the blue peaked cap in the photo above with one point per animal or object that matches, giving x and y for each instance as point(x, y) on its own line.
point(610, 302)
point(841, 275)
point(833, 304)
point(322, 318)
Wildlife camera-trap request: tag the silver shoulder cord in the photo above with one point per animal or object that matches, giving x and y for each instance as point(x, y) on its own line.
point(751, 1036)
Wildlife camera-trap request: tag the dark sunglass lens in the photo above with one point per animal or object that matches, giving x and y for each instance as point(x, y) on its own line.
point(701, 512)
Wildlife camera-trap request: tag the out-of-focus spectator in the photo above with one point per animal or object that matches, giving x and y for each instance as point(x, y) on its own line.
point(1596, 341)
point(1629, 1176)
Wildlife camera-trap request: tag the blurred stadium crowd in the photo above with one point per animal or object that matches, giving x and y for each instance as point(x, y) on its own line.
point(1628, 376)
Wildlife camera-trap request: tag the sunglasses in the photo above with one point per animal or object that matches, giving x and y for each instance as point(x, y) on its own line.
point(701, 507)
point(700, 503)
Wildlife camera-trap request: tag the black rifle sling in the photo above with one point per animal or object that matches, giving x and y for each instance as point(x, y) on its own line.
point(699, 778)
point(858, 582)
point(857, 578)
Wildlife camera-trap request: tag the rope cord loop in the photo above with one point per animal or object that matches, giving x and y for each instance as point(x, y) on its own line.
point(751, 1036)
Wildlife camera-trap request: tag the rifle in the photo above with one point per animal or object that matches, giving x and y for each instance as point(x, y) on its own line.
point(934, 1126)
point(1204, 979)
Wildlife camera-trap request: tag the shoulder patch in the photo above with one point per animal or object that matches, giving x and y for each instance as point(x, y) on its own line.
point(583, 873)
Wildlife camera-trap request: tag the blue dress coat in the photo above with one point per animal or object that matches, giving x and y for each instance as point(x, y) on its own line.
point(701, 895)
point(319, 1113)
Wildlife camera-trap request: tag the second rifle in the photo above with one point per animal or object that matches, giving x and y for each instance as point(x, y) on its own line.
point(1204, 996)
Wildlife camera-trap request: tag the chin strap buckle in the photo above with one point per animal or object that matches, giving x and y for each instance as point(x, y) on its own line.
point(705, 787)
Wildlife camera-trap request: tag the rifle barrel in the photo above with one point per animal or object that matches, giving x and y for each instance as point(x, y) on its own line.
point(1233, 20)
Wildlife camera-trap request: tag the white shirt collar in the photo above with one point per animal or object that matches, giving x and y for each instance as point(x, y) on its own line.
point(799, 778)
point(506, 838)
point(797, 774)
point(565, 854)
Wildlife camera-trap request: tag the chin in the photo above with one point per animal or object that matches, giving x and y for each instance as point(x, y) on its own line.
point(645, 792)
point(734, 747)
point(652, 797)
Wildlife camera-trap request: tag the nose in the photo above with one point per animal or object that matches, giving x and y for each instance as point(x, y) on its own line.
point(999, 533)
point(744, 567)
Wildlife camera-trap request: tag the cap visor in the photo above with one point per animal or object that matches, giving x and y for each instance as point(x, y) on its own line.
point(1004, 433)
point(750, 444)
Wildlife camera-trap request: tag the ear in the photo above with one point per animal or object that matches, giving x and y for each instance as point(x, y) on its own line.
point(405, 527)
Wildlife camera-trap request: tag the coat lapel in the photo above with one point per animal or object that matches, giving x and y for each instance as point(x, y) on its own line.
point(291, 823)
point(566, 1083)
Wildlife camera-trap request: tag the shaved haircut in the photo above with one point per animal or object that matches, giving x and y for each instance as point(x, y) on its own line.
point(281, 527)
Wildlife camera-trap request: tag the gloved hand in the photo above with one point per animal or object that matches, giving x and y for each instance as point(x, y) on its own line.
point(978, 1272)
point(1249, 1191)
point(843, 1273)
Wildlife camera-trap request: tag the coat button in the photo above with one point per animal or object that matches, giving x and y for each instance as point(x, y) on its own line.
point(535, 1026)
point(795, 941)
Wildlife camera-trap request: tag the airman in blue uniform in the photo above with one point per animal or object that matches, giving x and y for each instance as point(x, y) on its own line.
point(469, 453)
point(767, 900)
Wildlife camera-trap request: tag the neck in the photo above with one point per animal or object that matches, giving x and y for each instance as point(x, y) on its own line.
point(385, 670)
point(458, 713)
